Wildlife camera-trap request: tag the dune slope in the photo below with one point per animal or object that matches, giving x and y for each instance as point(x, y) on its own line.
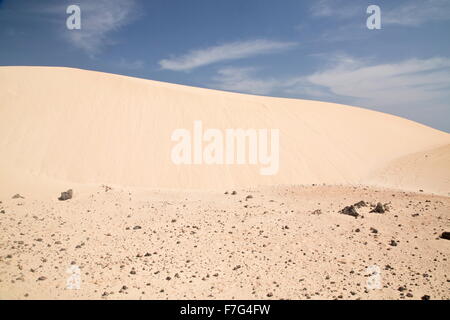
point(91, 127)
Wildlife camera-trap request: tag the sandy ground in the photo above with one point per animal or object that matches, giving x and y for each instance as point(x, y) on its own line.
point(264, 243)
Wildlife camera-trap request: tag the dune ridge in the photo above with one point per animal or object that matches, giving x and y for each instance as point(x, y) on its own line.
point(86, 127)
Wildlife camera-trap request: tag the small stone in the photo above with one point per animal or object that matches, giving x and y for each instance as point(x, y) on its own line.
point(66, 195)
point(137, 227)
point(379, 208)
point(426, 297)
point(360, 204)
point(350, 211)
point(42, 278)
point(445, 235)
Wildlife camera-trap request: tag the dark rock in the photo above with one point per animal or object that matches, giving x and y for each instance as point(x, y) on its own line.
point(445, 235)
point(66, 195)
point(373, 230)
point(17, 196)
point(137, 227)
point(380, 208)
point(393, 243)
point(426, 297)
point(350, 211)
point(233, 193)
point(360, 204)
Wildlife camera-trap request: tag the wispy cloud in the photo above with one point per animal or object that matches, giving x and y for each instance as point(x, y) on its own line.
point(417, 12)
point(243, 80)
point(224, 52)
point(336, 8)
point(99, 19)
point(410, 83)
point(130, 64)
point(406, 13)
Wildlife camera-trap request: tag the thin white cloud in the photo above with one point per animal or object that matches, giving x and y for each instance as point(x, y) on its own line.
point(242, 80)
point(130, 64)
point(417, 12)
point(413, 83)
point(405, 13)
point(224, 52)
point(99, 19)
point(335, 8)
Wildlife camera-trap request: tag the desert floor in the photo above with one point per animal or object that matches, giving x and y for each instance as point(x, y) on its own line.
point(137, 244)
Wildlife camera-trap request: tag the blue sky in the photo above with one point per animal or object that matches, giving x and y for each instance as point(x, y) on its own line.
point(319, 50)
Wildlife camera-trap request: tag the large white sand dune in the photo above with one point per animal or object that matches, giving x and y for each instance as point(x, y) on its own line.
point(81, 127)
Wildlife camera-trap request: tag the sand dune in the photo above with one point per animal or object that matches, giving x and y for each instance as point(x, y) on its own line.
point(83, 127)
point(424, 170)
